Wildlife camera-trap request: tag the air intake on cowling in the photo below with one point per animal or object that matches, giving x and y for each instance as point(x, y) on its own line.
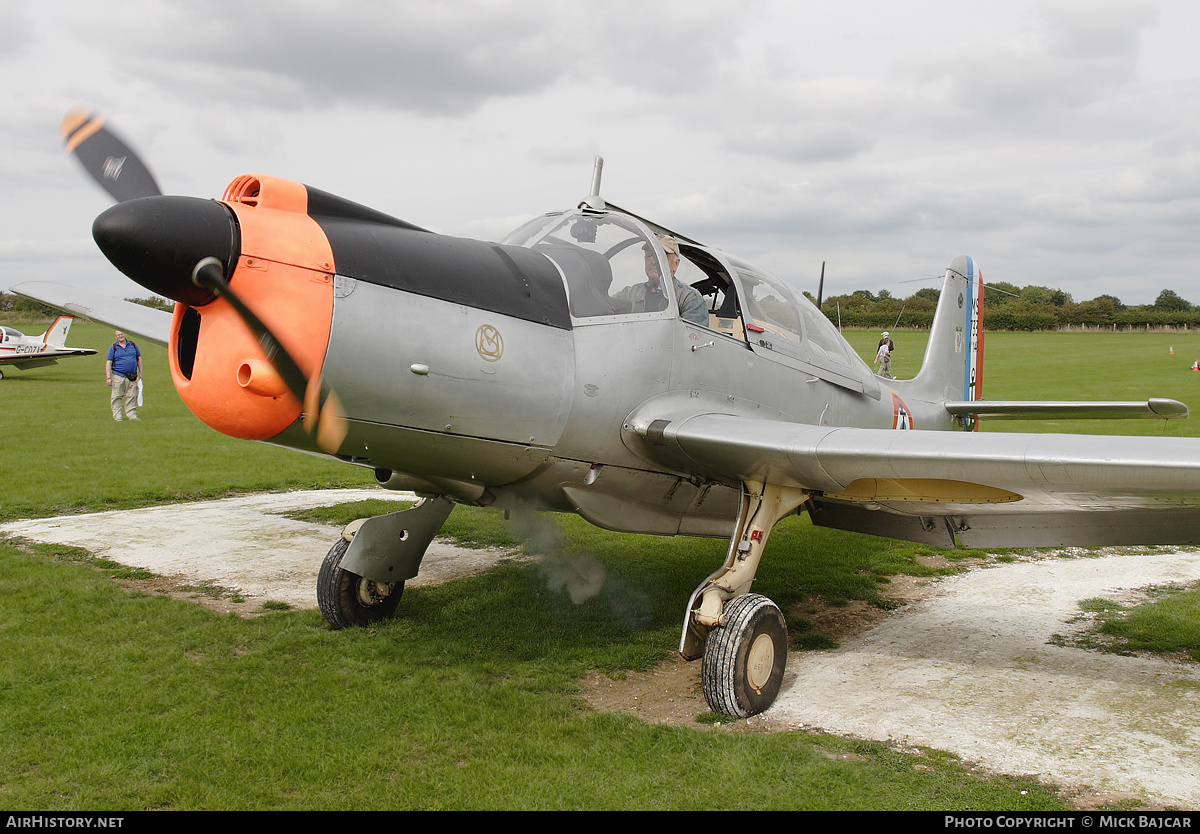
point(246, 190)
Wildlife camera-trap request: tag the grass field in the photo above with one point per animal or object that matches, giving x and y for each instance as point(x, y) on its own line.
point(469, 697)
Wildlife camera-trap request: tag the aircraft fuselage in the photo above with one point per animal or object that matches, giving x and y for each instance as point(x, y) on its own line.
point(495, 373)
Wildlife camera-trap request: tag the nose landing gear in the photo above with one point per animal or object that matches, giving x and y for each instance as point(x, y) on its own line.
point(363, 575)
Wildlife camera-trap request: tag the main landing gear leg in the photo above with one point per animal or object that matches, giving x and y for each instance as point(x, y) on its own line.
point(363, 575)
point(741, 637)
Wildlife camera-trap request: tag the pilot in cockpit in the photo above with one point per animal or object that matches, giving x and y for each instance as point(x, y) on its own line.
point(650, 296)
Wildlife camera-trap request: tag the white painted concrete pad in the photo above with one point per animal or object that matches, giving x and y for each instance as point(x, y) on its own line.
point(970, 670)
point(243, 544)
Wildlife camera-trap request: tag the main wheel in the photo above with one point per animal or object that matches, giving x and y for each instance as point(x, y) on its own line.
point(347, 599)
point(744, 659)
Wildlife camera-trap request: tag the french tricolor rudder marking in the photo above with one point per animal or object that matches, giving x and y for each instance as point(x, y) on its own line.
point(973, 375)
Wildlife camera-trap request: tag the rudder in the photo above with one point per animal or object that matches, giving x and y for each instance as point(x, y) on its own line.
point(953, 364)
point(57, 332)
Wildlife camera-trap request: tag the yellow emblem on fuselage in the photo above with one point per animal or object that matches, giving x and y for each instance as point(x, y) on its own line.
point(489, 343)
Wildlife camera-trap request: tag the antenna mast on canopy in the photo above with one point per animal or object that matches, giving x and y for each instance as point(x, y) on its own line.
point(593, 200)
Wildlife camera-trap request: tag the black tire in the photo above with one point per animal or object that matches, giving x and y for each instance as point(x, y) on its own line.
point(744, 659)
point(347, 599)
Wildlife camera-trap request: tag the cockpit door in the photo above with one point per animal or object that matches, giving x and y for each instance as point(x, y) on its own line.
point(783, 325)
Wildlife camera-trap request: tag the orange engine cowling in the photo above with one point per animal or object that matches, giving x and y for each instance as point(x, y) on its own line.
point(284, 273)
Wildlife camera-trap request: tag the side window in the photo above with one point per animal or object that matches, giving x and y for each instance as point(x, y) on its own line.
point(782, 320)
point(770, 310)
point(632, 282)
point(823, 337)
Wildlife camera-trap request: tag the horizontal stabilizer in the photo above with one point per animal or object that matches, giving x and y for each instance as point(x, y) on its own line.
point(1162, 409)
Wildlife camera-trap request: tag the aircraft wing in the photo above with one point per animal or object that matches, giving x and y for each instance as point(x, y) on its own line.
point(981, 489)
point(46, 357)
point(151, 324)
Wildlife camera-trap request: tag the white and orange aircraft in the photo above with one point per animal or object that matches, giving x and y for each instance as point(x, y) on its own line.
point(36, 351)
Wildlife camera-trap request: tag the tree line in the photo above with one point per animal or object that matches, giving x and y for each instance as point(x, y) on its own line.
point(1009, 307)
point(19, 308)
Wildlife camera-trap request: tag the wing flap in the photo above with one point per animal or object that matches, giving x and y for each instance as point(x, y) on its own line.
point(922, 490)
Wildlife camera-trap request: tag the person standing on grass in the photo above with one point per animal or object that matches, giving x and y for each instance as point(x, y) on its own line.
point(883, 356)
point(122, 369)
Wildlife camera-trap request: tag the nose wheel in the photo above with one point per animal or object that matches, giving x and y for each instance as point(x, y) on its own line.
point(363, 575)
point(347, 599)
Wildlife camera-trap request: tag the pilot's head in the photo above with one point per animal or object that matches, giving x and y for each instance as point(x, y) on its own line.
point(671, 246)
point(653, 276)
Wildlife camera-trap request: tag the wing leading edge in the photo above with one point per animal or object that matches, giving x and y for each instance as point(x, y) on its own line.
point(977, 490)
point(154, 325)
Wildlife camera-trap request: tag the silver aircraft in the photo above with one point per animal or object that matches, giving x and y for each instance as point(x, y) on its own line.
point(518, 374)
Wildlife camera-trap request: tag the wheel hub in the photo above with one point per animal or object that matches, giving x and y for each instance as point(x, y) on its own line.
point(373, 593)
point(760, 662)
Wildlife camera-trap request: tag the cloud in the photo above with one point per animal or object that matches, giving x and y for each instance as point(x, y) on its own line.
point(15, 31)
point(17, 250)
point(809, 142)
point(806, 120)
point(423, 56)
point(1072, 56)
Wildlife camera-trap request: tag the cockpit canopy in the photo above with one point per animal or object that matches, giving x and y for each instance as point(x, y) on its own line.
point(603, 257)
point(611, 263)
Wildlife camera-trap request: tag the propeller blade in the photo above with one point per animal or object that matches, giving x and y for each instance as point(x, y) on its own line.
point(821, 286)
point(106, 157)
point(323, 412)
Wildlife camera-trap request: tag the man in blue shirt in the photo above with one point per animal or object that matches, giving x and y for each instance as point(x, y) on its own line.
point(123, 367)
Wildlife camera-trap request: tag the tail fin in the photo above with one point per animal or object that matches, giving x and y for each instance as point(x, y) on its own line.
point(57, 333)
point(953, 364)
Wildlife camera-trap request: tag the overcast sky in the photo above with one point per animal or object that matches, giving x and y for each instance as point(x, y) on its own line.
point(1056, 142)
